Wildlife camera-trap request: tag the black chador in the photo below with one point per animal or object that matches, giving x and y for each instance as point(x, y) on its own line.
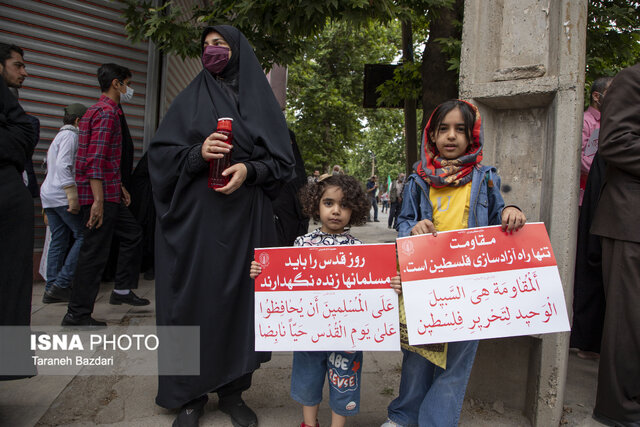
point(205, 239)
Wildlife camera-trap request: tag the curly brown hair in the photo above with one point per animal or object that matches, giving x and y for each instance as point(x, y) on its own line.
point(354, 197)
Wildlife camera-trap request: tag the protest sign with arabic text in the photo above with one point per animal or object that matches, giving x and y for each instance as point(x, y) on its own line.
point(481, 283)
point(326, 298)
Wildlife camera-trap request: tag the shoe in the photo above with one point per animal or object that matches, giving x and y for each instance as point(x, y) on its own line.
point(241, 415)
point(130, 298)
point(390, 423)
point(56, 294)
point(71, 320)
point(189, 415)
point(375, 220)
point(307, 425)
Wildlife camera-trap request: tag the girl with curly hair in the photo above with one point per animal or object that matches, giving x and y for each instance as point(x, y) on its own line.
point(337, 202)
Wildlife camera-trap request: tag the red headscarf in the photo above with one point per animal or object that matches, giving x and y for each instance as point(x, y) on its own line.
point(440, 172)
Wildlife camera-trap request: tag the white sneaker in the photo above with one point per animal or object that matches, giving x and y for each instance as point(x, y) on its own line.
point(390, 423)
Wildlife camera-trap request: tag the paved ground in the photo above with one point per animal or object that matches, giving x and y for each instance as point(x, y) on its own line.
point(129, 401)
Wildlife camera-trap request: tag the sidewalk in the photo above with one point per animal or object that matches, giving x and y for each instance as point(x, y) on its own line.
point(129, 401)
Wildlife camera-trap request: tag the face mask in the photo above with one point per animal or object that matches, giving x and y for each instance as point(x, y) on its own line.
point(127, 96)
point(215, 58)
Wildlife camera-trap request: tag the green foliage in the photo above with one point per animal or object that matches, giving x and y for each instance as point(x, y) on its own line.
point(406, 83)
point(382, 138)
point(278, 29)
point(613, 38)
point(325, 87)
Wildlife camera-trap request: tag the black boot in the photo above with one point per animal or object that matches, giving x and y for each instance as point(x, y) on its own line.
point(189, 415)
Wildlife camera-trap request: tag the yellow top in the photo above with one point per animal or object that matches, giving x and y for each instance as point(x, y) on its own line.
point(450, 207)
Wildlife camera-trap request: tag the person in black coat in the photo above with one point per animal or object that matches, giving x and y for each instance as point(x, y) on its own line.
point(205, 237)
point(17, 138)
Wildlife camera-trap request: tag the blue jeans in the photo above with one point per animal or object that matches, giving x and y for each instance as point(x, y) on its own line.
point(429, 395)
point(343, 370)
point(374, 204)
point(61, 267)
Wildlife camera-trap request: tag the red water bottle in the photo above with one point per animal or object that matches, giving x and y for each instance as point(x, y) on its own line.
point(217, 166)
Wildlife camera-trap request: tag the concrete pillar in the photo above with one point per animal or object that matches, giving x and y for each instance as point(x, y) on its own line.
point(523, 64)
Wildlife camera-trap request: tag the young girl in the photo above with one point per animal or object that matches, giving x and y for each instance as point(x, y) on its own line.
point(337, 202)
point(448, 190)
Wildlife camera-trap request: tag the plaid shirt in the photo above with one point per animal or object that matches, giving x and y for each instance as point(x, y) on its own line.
point(99, 151)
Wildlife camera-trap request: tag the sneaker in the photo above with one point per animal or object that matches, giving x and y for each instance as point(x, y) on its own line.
point(241, 415)
point(130, 298)
point(189, 415)
point(307, 425)
point(56, 294)
point(390, 423)
point(71, 320)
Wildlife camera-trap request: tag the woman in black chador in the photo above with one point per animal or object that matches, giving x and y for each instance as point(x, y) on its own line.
point(205, 238)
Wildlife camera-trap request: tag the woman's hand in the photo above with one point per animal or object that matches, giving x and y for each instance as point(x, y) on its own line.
point(512, 219)
point(215, 147)
point(396, 284)
point(424, 227)
point(238, 174)
point(255, 269)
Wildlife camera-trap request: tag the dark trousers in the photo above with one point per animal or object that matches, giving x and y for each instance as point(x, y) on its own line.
point(234, 389)
point(394, 211)
point(16, 274)
point(374, 204)
point(618, 394)
point(117, 220)
point(16, 249)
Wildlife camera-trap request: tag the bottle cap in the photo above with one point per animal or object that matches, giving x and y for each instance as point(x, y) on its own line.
point(225, 123)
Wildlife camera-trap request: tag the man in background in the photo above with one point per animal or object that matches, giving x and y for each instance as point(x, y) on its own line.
point(372, 189)
point(395, 198)
point(616, 222)
point(104, 201)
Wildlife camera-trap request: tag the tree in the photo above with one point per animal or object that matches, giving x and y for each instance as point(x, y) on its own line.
point(277, 29)
point(613, 38)
point(325, 100)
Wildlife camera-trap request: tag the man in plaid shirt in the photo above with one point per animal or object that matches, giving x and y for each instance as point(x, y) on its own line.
point(104, 202)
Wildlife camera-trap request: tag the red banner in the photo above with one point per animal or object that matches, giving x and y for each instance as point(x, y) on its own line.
point(472, 251)
point(318, 268)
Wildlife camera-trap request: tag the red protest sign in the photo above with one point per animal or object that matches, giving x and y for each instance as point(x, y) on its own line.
point(326, 298)
point(480, 283)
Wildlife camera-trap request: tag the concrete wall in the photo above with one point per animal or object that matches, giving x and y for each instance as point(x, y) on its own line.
point(523, 65)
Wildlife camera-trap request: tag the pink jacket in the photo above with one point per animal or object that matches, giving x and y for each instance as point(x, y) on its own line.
point(590, 123)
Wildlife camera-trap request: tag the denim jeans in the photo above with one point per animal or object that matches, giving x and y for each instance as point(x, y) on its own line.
point(374, 204)
point(61, 267)
point(431, 396)
point(342, 369)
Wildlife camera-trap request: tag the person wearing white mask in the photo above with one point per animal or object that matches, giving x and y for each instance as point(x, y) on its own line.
point(103, 203)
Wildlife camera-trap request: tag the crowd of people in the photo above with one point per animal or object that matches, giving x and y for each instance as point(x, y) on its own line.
point(90, 206)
